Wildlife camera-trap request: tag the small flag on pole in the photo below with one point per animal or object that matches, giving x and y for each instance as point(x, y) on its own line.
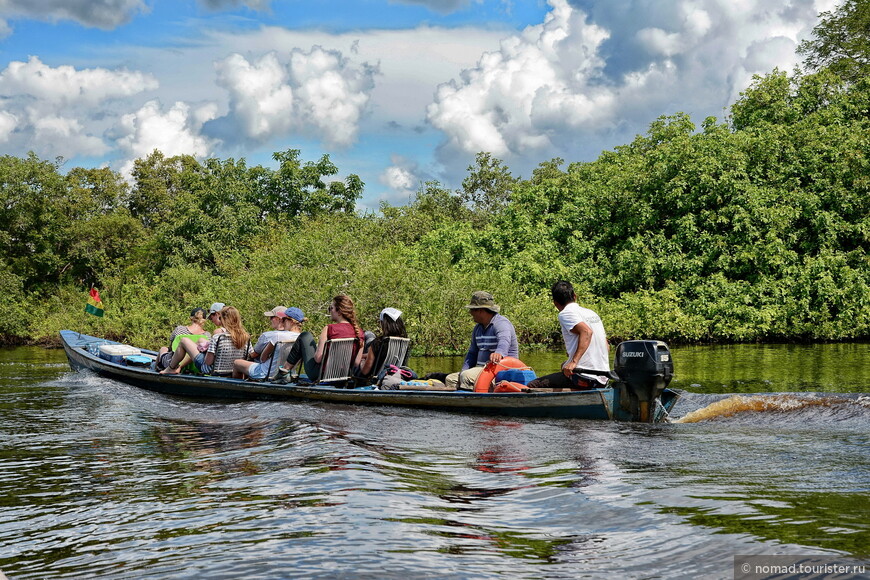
point(95, 305)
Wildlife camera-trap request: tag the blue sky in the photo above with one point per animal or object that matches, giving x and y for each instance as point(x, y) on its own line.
point(397, 91)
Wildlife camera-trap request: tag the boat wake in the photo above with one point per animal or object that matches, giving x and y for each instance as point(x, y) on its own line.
point(842, 407)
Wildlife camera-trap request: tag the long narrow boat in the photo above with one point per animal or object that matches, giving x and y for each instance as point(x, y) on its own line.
point(609, 403)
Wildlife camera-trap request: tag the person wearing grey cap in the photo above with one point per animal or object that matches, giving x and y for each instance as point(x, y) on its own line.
point(492, 339)
point(214, 316)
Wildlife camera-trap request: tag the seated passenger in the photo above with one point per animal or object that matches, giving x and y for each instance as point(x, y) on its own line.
point(193, 328)
point(344, 325)
point(286, 325)
point(223, 348)
point(492, 339)
point(390, 324)
point(214, 316)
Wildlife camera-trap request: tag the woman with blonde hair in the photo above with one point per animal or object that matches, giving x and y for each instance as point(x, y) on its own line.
point(195, 328)
point(286, 325)
point(345, 324)
point(222, 349)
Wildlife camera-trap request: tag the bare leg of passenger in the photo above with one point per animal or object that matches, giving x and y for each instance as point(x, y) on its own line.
point(185, 352)
point(241, 367)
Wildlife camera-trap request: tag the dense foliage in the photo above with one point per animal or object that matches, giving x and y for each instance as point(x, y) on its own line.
point(755, 228)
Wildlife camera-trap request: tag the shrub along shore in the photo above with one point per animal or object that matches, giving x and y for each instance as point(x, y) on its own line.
point(752, 229)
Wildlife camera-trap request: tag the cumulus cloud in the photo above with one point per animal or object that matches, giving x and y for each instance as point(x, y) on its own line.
point(105, 14)
point(539, 80)
point(58, 111)
point(8, 123)
point(316, 92)
point(65, 85)
point(584, 80)
point(66, 136)
point(398, 178)
point(403, 178)
point(173, 132)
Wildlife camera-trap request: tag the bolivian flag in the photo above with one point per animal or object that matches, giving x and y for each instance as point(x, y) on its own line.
point(95, 305)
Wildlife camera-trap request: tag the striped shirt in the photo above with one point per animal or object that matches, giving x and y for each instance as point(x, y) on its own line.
point(225, 352)
point(498, 336)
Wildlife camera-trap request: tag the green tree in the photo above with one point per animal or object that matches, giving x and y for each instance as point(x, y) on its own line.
point(841, 41)
point(301, 189)
point(487, 188)
point(14, 311)
point(157, 186)
point(32, 222)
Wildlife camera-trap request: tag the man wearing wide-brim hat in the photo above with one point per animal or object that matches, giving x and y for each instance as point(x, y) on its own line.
point(492, 339)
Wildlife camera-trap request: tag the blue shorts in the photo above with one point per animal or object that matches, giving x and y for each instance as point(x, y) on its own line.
point(200, 363)
point(258, 370)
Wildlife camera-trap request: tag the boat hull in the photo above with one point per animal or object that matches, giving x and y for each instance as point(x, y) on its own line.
point(592, 404)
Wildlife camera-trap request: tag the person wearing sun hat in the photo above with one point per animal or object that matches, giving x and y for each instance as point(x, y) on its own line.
point(286, 325)
point(492, 339)
point(390, 324)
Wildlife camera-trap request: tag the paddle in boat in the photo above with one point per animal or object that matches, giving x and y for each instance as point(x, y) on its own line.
point(637, 390)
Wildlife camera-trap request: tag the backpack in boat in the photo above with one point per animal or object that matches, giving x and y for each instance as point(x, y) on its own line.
point(486, 379)
point(523, 376)
point(394, 374)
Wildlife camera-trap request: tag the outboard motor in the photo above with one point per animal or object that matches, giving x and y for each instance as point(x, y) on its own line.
point(644, 369)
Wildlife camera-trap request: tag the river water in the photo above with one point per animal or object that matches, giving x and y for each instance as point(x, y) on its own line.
point(767, 454)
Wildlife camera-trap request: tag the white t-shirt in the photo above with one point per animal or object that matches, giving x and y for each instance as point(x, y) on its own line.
point(274, 337)
point(597, 356)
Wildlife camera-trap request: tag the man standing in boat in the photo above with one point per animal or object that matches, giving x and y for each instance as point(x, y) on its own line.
point(585, 342)
point(492, 339)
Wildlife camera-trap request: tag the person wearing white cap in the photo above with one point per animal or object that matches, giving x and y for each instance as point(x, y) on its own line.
point(390, 324)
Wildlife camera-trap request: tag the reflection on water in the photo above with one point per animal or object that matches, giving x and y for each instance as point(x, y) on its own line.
point(99, 479)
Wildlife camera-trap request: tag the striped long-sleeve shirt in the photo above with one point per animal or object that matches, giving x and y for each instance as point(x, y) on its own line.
point(498, 336)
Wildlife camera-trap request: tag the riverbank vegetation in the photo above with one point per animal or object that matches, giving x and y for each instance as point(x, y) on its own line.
point(755, 228)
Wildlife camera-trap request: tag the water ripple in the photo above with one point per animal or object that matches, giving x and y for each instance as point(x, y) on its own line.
point(102, 480)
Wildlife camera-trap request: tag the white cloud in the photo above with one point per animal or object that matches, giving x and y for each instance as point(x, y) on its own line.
point(106, 14)
point(66, 137)
point(66, 85)
point(537, 80)
point(173, 132)
point(260, 97)
point(403, 179)
point(60, 111)
point(659, 42)
point(8, 123)
point(398, 178)
point(316, 92)
point(581, 82)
